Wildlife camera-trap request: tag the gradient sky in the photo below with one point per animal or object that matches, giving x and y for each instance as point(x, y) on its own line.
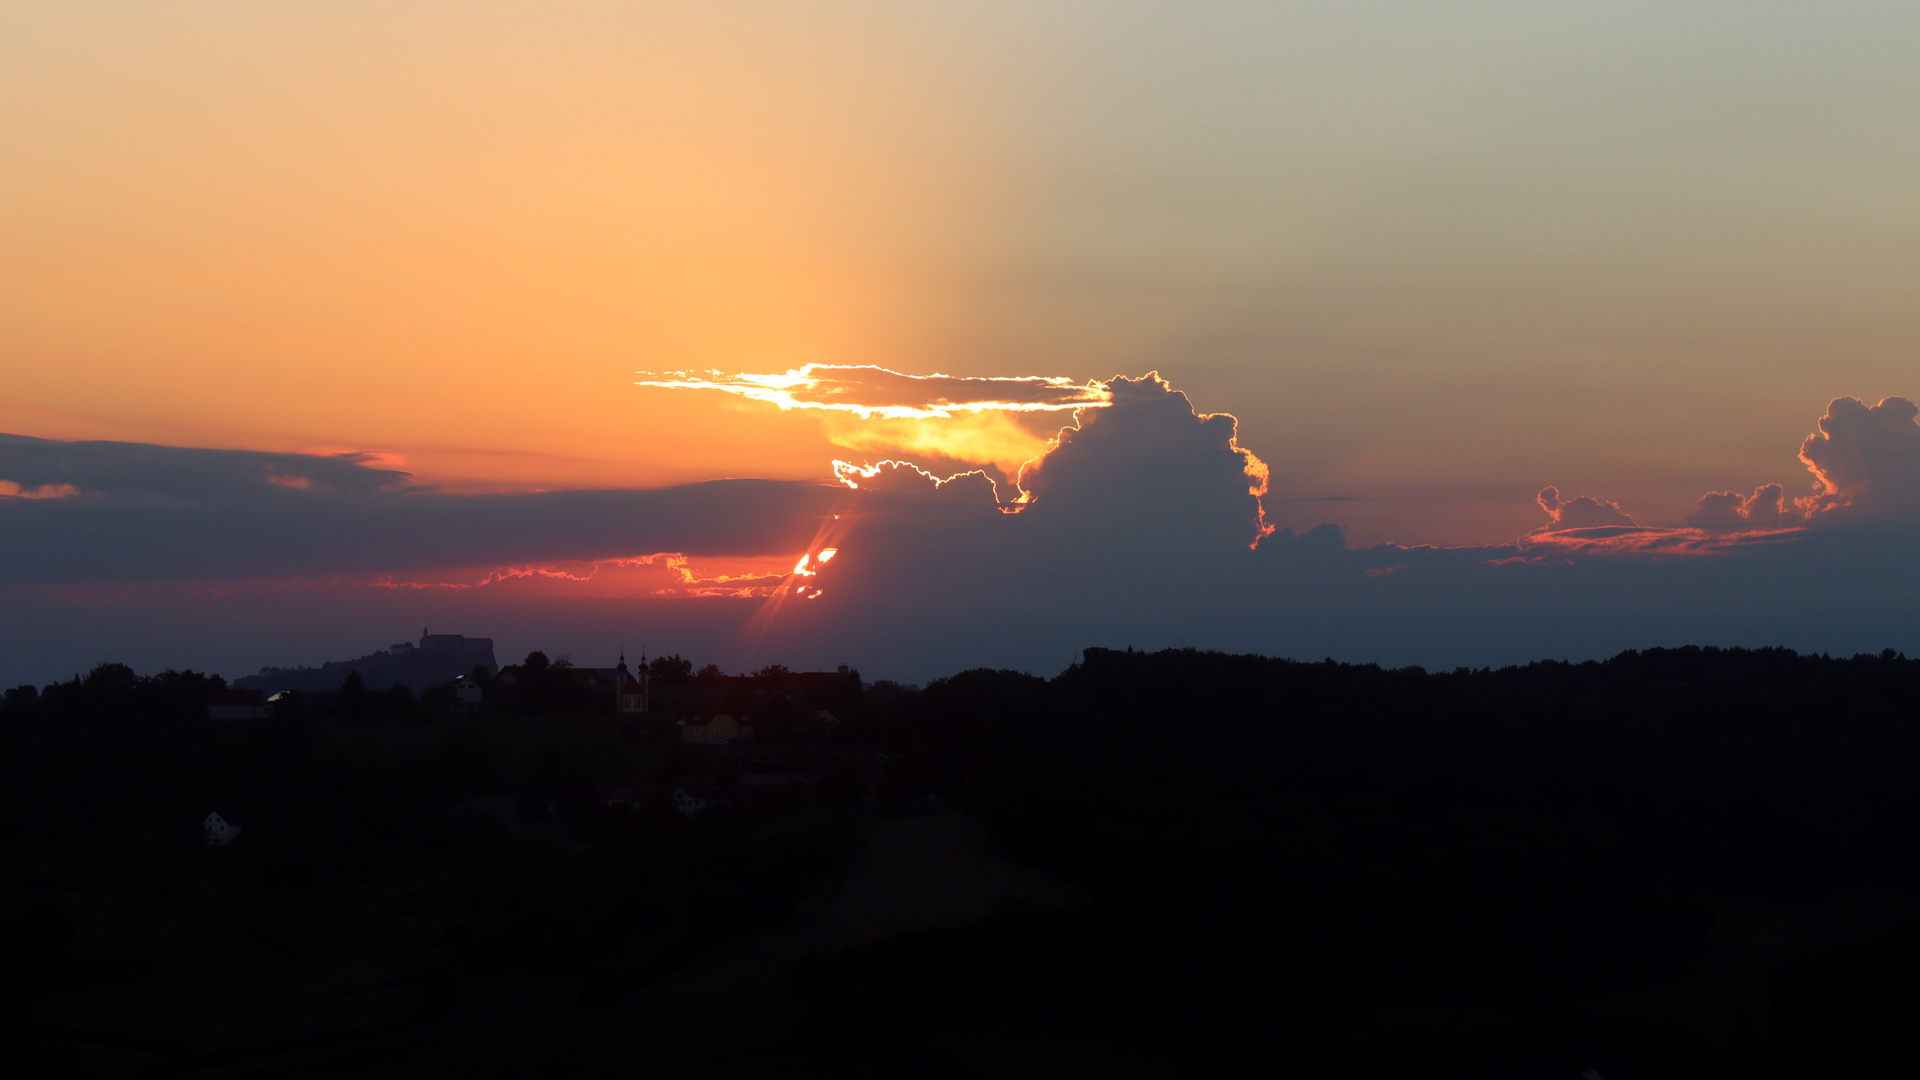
point(1433, 257)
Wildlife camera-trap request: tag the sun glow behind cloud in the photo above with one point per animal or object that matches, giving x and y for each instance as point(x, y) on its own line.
point(876, 392)
point(1004, 441)
point(996, 422)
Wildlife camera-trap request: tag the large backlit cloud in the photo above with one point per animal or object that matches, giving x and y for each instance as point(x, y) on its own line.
point(1865, 461)
point(1112, 548)
point(1149, 463)
point(876, 392)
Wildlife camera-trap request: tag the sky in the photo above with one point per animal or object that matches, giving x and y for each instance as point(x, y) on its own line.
point(321, 322)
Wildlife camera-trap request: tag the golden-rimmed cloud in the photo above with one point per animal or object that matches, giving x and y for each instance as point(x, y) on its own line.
point(879, 393)
point(1865, 459)
point(1865, 462)
point(1580, 512)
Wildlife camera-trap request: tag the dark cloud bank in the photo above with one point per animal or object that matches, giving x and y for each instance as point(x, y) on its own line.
point(1143, 526)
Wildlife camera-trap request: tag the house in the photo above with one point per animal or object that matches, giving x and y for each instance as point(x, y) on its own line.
point(467, 693)
point(217, 831)
point(718, 730)
point(237, 705)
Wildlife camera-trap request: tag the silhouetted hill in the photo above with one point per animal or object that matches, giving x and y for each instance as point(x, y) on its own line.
point(436, 659)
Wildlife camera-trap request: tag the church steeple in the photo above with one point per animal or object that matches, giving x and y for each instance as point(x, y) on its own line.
point(631, 687)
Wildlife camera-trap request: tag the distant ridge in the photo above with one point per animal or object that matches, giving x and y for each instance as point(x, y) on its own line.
point(436, 659)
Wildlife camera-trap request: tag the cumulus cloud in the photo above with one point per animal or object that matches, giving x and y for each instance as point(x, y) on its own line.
point(1580, 512)
point(1148, 462)
point(1865, 460)
point(1730, 511)
point(1136, 528)
point(876, 392)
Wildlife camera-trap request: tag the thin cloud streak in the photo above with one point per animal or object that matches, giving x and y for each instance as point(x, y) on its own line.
point(879, 393)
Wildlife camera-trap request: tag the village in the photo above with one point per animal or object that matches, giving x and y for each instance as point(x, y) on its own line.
point(555, 836)
point(764, 736)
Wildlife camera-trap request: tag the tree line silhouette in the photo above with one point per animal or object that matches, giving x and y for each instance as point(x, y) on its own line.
point(1269, 848)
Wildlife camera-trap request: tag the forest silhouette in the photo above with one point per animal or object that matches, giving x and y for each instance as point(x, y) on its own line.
point(1314, 869)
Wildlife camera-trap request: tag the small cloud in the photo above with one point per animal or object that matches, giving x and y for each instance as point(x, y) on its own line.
point(10, 489)
point(1730, 511)
point(1580, 512)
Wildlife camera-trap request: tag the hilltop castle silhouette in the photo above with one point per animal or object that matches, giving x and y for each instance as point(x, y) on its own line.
point(435, 659)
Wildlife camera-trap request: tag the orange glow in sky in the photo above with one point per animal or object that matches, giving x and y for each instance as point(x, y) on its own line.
point(44, 491)
point(813, 387)
point(659, 575)
point(1429, 268)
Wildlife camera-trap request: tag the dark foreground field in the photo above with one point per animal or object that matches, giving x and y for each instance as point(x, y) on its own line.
point(1690, 863)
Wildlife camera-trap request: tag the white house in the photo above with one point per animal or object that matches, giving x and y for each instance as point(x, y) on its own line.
point(467, 693)
point(217, 831)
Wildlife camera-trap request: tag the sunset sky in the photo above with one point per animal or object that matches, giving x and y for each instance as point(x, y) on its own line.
point(470, 292)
